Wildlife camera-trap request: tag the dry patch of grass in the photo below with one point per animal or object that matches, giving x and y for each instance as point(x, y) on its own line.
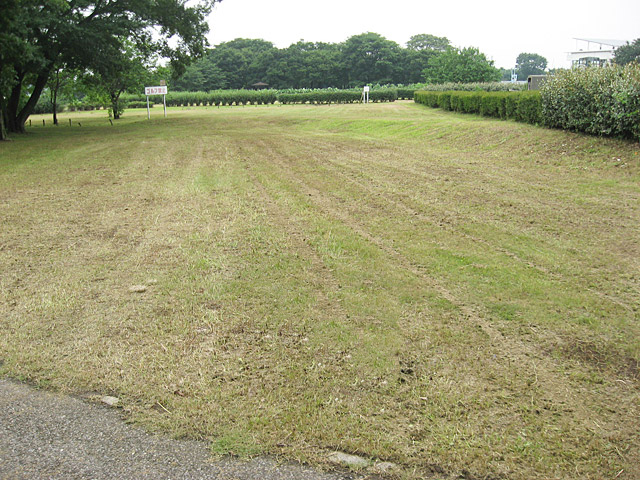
point(449, 293)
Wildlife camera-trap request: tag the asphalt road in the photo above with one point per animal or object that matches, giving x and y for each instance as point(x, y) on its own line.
point(49, 436)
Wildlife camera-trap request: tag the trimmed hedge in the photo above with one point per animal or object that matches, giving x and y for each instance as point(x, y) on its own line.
point(601, 101)
point(521, 106)
point(220, 97)
point(406, 93)
point(472, 87)
point(135, 104)
point(320, 96)
point(263, 97)
point(328, 96)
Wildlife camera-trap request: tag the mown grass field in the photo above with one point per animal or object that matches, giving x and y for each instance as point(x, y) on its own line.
point(452, 294)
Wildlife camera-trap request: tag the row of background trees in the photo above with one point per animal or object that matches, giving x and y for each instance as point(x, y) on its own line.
point(367, 58)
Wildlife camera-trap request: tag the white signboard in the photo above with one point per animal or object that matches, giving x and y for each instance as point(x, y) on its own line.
point(155, 90)
point(365, 94)
point(160, 90)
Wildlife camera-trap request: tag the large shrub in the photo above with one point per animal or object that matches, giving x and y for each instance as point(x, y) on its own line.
point(597, 100)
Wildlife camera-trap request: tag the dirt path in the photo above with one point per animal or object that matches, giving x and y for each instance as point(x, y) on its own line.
point(43, 435)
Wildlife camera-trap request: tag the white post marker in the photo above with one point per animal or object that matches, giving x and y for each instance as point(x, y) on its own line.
point(160, 90)
point(164, 98)
point(365, 94)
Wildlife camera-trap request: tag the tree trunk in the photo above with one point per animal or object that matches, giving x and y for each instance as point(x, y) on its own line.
point(114, 105)
point(54, 101)
point(13, 104)
point(17, 119)
point(114, 109)
point(3, 131)
point(41, 82)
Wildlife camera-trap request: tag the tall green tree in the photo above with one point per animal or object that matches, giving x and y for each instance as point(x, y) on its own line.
point(628, 53)
point(370, 58)
point(426, 41)
point(306, 65)
point(61, 82)
point(124, 69)
point(465, 66)
point(17, 54)
point(530, 64)
point(243, 61)
point(203, 75)
point(76, 32)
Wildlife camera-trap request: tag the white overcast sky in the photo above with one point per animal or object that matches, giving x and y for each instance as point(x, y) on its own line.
point(500, 29)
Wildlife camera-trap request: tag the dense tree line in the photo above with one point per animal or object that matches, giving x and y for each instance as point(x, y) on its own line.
point(367, 58)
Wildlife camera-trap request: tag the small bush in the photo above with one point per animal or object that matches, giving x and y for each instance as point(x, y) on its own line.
point(44, 105)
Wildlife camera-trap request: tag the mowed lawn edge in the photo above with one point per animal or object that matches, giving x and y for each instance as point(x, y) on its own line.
point(445, 292)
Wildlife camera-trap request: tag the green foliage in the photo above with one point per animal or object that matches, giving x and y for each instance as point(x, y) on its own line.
point(406, 93)
point(425, 41)
point(444, 100)
point(137, 104)
point(44, 105)
point(597, 100)
point(428, 98)
point(42, 36)
point(367, 58)
point(530, 64)
point(628, 53)
point(220, 97)
point(265, 97)
point(122, 69)
point(328, 96)
point(528, 108)
point(370, 58)
point(383, 95)
point(521, 106)
point(471, 87)
point(466, 65)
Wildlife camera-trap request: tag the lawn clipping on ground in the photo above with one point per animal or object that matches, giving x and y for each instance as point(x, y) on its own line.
point(448, 293)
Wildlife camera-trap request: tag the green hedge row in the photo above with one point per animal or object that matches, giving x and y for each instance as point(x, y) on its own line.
point(260, 97)
point(523, 106)
point(136, 104)
point(320, 96)
point(406, 93)
point(602, 101)
point(337, 96)
point(221, 97)
point(216, 97)
point(599, 100)
point(472, 87)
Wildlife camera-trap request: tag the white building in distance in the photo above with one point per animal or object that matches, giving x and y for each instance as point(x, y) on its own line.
point(593, 51)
